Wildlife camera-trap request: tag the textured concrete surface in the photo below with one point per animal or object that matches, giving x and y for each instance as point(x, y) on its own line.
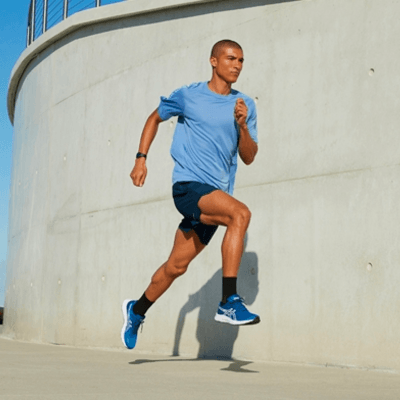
point(321, 265)
point(33, 371)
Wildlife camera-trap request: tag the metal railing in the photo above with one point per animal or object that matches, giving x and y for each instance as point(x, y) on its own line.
point(44, 14)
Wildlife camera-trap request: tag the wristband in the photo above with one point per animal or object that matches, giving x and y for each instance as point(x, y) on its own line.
point(139, 155)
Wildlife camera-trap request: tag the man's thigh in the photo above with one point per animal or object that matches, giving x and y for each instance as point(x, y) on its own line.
point(219, 208)
point(186, 197)
point(186, 247)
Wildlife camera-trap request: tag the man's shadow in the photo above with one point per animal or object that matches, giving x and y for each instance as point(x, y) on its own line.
point(215, 339)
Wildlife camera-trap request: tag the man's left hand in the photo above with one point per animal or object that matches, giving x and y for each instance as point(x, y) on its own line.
point(240, 112)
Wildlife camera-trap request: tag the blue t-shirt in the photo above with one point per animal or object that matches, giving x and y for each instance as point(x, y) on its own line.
point(205, 142)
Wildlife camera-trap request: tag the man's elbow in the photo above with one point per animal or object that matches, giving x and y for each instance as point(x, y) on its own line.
point(248, 160)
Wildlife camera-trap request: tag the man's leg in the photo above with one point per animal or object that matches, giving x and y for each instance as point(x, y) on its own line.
point(186, 247)
point(219, 208)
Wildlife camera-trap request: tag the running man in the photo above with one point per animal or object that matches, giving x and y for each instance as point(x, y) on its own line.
point(215, 124)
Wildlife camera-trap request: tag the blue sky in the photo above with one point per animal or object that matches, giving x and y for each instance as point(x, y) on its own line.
point(13, 17)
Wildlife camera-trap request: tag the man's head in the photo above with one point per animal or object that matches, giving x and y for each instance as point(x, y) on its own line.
point(222, 44)
point(227, 60)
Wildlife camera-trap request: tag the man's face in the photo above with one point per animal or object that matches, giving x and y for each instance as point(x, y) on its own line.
point(228, 64)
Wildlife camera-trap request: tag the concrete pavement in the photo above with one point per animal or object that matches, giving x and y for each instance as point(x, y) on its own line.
point(37, 371)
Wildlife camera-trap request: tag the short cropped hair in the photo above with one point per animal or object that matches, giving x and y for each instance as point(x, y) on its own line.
point(219, 46)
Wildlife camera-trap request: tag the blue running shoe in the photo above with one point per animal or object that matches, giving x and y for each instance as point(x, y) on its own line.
point(234, 312)
point(131, 324)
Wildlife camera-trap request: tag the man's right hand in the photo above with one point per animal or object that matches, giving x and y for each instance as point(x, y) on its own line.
point(139, 172)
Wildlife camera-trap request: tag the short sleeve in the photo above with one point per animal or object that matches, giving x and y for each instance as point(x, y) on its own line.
point(252, 121)
point(171, 106)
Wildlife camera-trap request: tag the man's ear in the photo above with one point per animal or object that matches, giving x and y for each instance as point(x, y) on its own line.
point(213, 61)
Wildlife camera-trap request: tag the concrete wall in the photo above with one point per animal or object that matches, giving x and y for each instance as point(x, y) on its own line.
point(322, 259)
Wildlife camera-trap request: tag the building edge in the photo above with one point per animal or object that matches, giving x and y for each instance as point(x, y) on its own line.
point(79, 20)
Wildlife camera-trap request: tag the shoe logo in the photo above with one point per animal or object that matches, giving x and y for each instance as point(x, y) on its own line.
point(133, 322)
point(231, 313)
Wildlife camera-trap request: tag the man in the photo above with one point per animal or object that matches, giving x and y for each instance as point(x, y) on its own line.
point(215, 123)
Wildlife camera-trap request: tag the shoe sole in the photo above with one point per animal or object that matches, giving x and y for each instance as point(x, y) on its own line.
point(125, 314)
point(226, 320)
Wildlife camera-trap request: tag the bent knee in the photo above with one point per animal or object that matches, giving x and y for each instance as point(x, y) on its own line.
point(247, 214)
point(242, 215)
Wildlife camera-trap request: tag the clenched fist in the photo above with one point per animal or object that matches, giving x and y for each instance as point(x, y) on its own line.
point(139, 172)
point(240, 112)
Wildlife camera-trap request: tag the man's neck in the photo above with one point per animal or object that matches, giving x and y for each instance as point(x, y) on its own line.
point(219, 86)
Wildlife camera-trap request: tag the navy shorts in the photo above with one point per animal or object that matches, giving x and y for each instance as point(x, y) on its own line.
point(186, 197)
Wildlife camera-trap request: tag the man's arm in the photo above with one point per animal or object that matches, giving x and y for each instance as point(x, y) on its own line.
point(150, 129)
point(247, 146)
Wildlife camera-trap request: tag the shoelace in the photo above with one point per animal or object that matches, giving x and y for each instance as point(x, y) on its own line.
point(135, 323)
point(240, 302)
point(141, 322)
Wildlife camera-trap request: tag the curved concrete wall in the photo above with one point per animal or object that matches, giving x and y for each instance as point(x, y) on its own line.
point(322, 259)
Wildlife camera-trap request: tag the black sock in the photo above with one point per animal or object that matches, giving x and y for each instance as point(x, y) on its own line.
point(142, 305)
point(228, 287)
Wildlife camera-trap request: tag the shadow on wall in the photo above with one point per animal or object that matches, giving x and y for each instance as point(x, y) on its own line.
point(216, 340)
